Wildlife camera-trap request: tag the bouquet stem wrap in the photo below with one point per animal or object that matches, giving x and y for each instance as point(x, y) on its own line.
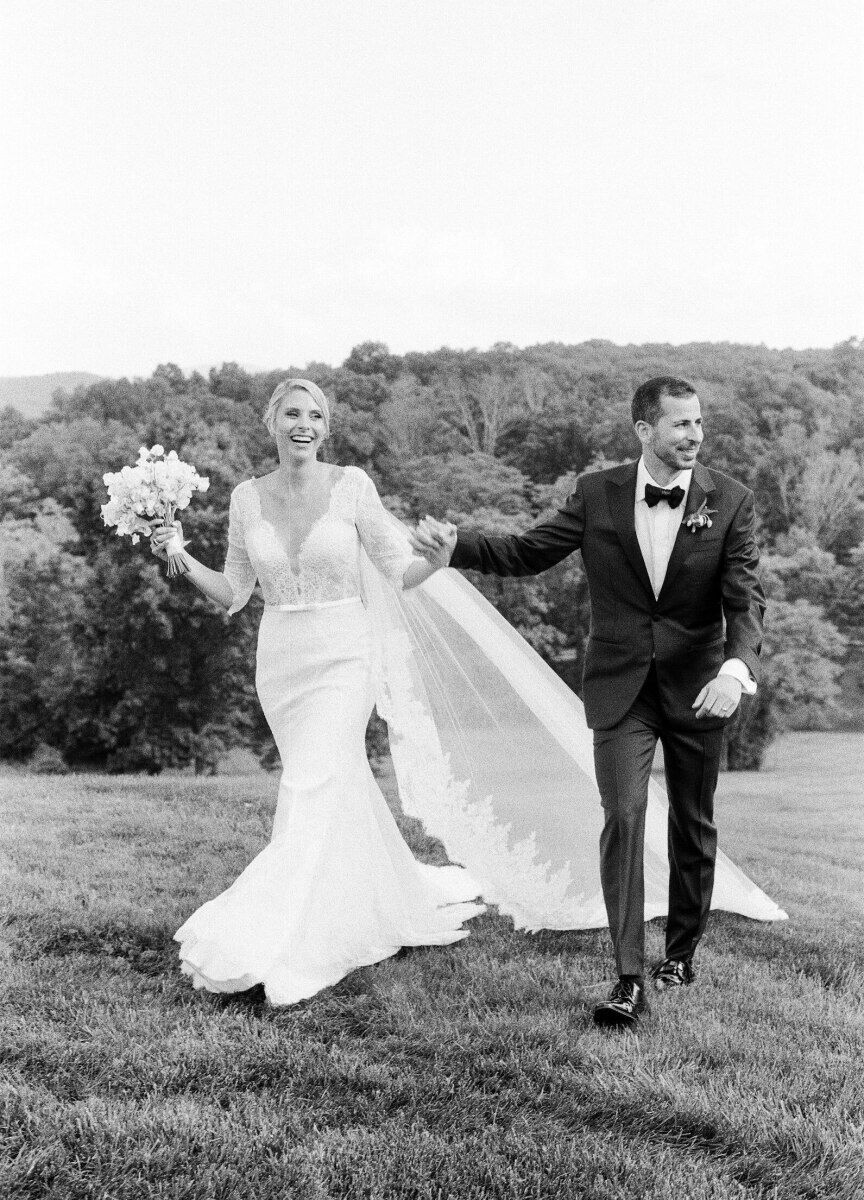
point(178, 564)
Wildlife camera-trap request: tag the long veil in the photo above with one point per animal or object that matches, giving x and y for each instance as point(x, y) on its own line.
point(492, 753)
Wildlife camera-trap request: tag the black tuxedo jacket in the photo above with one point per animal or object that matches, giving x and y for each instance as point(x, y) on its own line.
point(710, 607)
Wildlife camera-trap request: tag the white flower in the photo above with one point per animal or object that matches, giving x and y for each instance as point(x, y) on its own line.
point(701, 517)
point(156, 486)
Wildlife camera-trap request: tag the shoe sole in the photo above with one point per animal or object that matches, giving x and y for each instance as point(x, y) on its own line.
point(609, 1019)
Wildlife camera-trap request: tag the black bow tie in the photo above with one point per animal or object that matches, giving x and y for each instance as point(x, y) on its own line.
point(672, 496)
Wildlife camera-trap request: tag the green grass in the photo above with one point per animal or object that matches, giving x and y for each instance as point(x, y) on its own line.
point(469, 1071)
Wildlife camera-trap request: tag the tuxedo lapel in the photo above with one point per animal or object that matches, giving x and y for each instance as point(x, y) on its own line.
point(701, 487)
point(621, 497)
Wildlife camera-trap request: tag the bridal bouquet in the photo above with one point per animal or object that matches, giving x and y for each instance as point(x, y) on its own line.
point(158, 486)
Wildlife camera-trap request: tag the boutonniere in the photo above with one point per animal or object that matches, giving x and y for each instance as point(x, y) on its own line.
point(701, 517)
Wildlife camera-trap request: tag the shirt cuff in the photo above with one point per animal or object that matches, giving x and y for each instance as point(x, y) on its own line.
point(739, 670)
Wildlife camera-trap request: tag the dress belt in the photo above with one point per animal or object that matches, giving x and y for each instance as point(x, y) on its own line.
point(312, 607)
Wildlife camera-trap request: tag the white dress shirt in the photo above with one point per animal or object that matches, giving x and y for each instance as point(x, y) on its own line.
point(656, 531)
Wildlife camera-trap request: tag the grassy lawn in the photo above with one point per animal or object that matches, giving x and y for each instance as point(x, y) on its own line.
point(469, 1071)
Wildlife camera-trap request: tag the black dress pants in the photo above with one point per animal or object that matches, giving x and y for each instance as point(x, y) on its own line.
point(622, 758)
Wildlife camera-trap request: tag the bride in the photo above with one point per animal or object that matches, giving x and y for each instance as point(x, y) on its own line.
point(491, 750)
point(337, 887)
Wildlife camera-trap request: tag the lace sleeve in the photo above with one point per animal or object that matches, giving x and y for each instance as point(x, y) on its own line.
point(381, 535)
point(238, 569)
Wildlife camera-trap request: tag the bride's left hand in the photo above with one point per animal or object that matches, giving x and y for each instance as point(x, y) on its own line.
point(434, 540)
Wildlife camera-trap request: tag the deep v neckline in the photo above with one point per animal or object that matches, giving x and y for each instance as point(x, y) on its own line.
point(294, 562)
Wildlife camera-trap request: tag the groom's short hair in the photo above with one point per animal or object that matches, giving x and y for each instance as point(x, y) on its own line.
point(647, 399)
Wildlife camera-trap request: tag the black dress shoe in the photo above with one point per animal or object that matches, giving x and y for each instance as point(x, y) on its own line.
point(672, 973)
point(624, 1006)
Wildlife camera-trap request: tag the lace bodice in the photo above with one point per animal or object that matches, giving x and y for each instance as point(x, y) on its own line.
point(328, 563)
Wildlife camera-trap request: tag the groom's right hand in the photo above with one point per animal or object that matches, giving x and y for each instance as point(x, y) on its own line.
point(434, 540)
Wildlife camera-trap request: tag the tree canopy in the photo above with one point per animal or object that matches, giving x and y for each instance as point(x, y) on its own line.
point(102, 660)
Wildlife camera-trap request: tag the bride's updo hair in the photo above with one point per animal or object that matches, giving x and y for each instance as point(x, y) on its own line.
point(298, 385)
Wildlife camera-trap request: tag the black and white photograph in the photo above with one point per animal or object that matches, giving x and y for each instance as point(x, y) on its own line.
point(431, 600)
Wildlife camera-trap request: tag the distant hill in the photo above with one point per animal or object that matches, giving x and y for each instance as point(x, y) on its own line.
point(31, 394)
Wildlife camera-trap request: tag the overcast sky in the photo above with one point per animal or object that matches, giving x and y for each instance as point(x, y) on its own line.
point(273, 182)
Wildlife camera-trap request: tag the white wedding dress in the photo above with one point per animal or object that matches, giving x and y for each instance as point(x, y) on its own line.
point(336, 888)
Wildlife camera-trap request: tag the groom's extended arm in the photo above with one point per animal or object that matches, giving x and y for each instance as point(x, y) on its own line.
point(525, 553)
point(743, 597)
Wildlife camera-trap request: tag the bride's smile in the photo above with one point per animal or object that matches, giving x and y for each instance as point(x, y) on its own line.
point(300, 427)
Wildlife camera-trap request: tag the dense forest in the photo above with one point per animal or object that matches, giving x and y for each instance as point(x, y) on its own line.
point(106, 663)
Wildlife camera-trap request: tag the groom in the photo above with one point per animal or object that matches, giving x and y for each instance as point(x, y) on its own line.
point(676, 628)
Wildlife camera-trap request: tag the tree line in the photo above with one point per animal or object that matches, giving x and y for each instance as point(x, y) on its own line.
point(104, 664)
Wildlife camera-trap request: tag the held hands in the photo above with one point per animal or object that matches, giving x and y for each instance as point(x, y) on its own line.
point(719, 698)
point(434, 540)
point(161, 535)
